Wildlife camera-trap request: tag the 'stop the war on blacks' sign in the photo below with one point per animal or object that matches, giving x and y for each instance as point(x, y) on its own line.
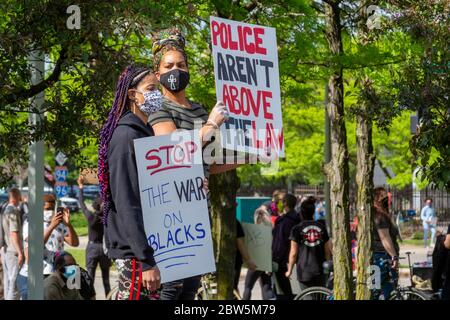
point(174, 204)
point(247, 81)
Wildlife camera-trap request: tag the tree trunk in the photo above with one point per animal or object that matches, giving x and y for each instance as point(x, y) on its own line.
point(364, 178)
point(223, 189)
point(364, 181)
point(337, 168)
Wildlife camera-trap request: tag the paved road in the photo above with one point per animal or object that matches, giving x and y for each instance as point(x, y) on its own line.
point(419, 255)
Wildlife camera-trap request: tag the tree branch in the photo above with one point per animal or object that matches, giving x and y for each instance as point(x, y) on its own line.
point(374, 65)
point(385, 171)
point(23, 93)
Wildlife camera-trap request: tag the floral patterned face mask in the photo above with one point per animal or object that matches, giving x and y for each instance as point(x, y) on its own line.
point(152, 102)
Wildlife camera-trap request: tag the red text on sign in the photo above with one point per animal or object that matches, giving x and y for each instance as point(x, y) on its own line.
point(247, 39)
point(170, 157)
point(243, 102)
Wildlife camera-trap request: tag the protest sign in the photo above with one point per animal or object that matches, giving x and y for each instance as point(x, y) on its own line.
point(247, 81)
point(90, 175)
point(174, 204)
point(258, 241)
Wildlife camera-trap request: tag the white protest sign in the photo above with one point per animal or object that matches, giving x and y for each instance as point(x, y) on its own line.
point(258, 241)
point(247, 81)
point(174, 204)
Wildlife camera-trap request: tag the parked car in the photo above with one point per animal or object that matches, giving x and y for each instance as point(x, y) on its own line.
point(3, 195)
point(47, 190)
point(70, 203)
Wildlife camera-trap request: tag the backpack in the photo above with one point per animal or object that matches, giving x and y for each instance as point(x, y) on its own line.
point(87, 290)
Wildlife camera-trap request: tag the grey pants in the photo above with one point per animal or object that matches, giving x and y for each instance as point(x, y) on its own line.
point(10, 272)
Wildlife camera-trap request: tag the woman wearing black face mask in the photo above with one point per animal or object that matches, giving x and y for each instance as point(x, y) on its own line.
point(178, 112)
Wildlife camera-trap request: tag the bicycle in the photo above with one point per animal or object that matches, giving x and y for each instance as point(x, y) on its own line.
point(408, 292)
point(208, 288)
point(320, 293)
point(399, 293)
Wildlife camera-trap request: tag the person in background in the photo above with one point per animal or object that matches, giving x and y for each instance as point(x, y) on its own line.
point(439, 261)
point(319, 213)
point(446, 286)
point(241, 255)
point(270, 210)
point(22, 277)
point(56, 284)
point(57, 231)
point(310, 248)
point(23, 208)
point(383, 244)
point(428, 217)
point(94, 250)
point(263, 217)
point(13, 256)
point(281, 245)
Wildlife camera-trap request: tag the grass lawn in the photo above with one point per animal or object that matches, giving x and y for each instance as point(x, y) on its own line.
point(80, 257)
point(413, 242)
point(79, 223)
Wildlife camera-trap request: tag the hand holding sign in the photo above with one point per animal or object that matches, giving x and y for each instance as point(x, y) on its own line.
point(219, 114)
point(151, 279)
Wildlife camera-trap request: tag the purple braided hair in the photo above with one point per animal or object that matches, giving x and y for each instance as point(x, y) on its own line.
point(129, 78)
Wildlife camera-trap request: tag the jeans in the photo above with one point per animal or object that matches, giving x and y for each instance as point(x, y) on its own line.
point(95, 256)
point(283, 283)
point(22, 286)
point(317, 281)
point(265, 282)
point(426, 228)
point(237, 275)
point(10, 272)
point(184, 289)
point(387, 274)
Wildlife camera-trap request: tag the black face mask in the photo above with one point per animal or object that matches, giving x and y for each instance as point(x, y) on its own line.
point(175, 80)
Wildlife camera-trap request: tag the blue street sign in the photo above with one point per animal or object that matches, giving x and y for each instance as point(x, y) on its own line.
point(61, 191)
point(61, 174)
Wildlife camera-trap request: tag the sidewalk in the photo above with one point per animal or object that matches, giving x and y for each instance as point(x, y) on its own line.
point(419, 254)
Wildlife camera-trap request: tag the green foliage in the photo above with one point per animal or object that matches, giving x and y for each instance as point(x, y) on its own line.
point(82, 70)
point(405, 61)
point(392, 150)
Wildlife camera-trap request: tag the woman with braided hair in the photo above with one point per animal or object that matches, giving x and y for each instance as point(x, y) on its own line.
point(135, 100)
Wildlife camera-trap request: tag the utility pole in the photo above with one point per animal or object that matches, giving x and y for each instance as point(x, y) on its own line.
point(326, 185)
point(36, 188)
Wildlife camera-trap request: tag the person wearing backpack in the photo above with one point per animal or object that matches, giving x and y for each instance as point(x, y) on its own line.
point(12, 251)
point(2, 240)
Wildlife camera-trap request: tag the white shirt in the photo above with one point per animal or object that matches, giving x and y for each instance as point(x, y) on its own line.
point(54, 244)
